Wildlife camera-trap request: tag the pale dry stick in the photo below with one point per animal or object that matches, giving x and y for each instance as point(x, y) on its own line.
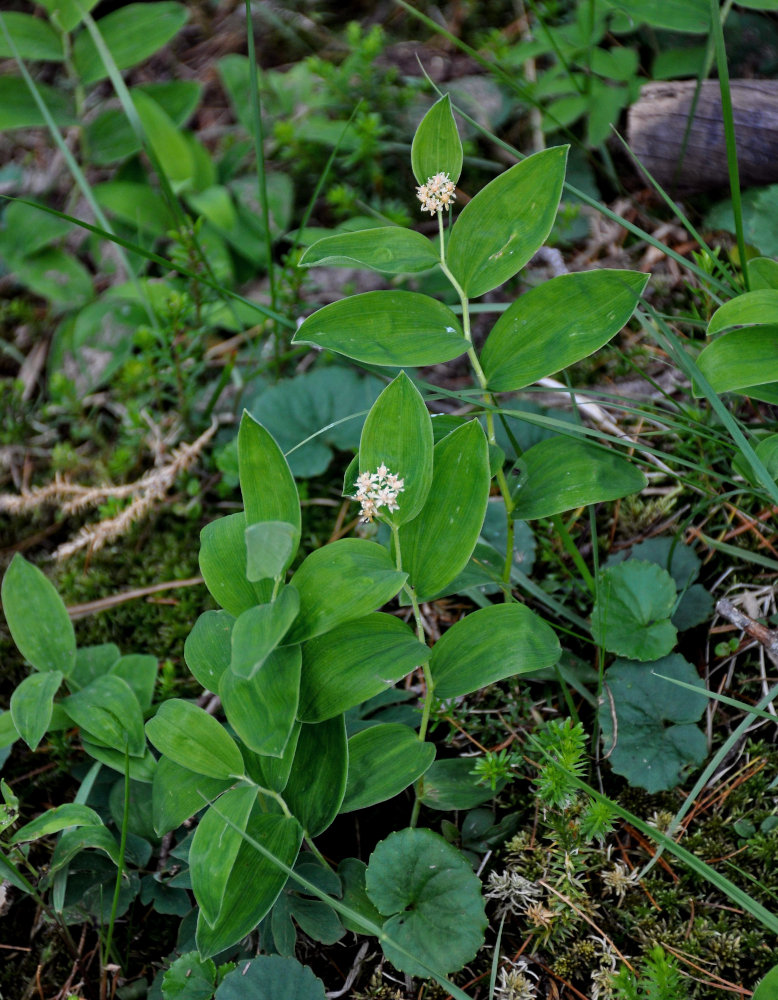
point(766, 636)
point(353, 972)
point(78, 611)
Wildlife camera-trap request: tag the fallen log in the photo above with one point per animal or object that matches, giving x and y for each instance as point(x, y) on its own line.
point(688, 158)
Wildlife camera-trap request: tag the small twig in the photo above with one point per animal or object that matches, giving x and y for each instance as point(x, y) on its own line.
point(77, 611)
point(766, 636)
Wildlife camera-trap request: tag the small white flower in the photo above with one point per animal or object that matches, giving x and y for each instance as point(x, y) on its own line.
point(438, 193)
point(376, 490)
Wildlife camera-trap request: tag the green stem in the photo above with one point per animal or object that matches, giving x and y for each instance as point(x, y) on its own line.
point(572, 550)
point(317, 853)
point(120, 871)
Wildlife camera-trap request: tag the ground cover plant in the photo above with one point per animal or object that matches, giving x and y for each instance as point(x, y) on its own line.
point(454, 705)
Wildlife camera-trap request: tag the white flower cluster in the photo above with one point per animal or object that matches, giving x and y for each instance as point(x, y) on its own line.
point(438, 193)
point(377, 489)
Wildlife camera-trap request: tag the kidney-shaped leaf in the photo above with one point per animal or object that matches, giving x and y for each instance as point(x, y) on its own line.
point(558, 323)
point(561, 473)
point(109, 712)
point(258, 631)
point(383, 760)
point(506, 223)
point(496, 642)
point(436, 147)
point(32, 703)
point(37, 618)
point(631, 616)
point(354, 662)
point(437, 544)
point(433, 901)
point(386, 328)
point(741, 359)
point(271, 977)
point(389, 249)
point(317, 780)
point(398, 435)
point(262, 709)
point(656, 738)
point(340, 582)
point(191, 737)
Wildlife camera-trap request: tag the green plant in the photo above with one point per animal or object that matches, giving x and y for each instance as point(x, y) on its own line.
point(659, 980)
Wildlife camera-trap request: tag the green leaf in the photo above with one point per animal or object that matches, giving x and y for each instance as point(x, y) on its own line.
point(437, 544)
point(37, 618)
point(386, 328)
point(262, 710)
point(191, 737)
point(767, 988)
point(449, 785)
point(383, 761)
point(258, 631)
point(32, 704)
point(317, 781)
point(270, 977)
point(108, 711)
point(748, 309)
point(273, 772)
point(680, 561)
point(436, 147)
point(390, 249)
point(694, 608)
point(178, 793)
point(140, 673)
point(631, 616)
point(242, 910)
point(72, 842)
point(19, 110)
point(691, 16)
point(67, 14)
point(32, 38)
point(270, 547)
point(354, 662)
point(656, 739)
point(57, 276)
point(763, 271)
point(741, 359)
point(132, 34)
point(340, 582)
point(208, 648)
point(352, 874)
point(165, 139)
point(92, 662)
point(137, 205)
point(189, 978)
point(558, 323)
point(562, 473)
point(506, 223)
point(266, 482)
point(398, 435)
point(496, 642)
point(215, 847)
point(8, 733)
point(53, 820)
point(223, 560)
point(432, 898)
point(141, 768)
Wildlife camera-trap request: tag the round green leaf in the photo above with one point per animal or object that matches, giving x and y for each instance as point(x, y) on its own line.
point(317, 780)
point(262, 709)
point(496, 642)
point(506, 223)
point(386, 328)
point(433, 901)
point(436, 147)
point(208, 649)
point(562, 473)
point(390, 249)
point(558, 323)
point(340, 582)
point(655, 738)
point(449, 784)
point(353, 662)
point(191, 737)
point(398, 434)
point(383, 760)
point(741, 359)
point(352, 877)
point(271, 977)
point(37, 618)
point(768, 987)
point(631, 616)
point(437, 544)
point(189, 978)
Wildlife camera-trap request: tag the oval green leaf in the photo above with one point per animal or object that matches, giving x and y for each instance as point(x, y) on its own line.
point(109, 712)
point(631, 616)
point(340, 582)
point(390, 249)
point(768, 987)
point(270, 547)
point(271, 977)
point(398, 435)
point(496, 642)
point(258, 631)
point(191, 737)
point(741, 359)
point(32, 38)
point(750, 309)
point(18, 108)
point(317, 781)
point(223, 560)
point(432, 898)
point(178, 793)
point(562, 473)
point(215, 847)
point(436, 147)
point(266, 481)
point(208, 648)
point(32, 703)
point(437, 544)
point(54, 820)
point(558, 323)
point(354, 662)
point(262, 710)
point(37, 618)
point(383, 761)
point(386, 328)
point(507, 222)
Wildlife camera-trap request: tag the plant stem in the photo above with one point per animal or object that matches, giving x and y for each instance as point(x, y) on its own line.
point(572, 550)
point(119, 874)
point(317, 853)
